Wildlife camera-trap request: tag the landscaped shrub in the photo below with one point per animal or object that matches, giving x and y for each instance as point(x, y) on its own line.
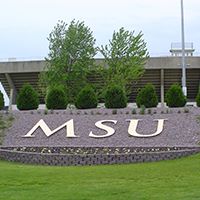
point(86, 98)
point(142, 110)
point(175, 97)
point(27, 98)
point(198, 98)
point(1, 101)
point(147, 96)
point(115, 97)
point(56, 98)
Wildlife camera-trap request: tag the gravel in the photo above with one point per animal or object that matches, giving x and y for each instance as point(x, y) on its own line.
point(181, 129)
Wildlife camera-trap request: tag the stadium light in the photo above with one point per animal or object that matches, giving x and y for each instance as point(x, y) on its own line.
point(184, 87)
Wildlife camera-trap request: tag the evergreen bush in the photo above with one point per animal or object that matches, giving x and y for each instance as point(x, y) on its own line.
point(115, 97)
point(56, 98)
point(175, 97)
point(147, 96)
point(1, 101)
point(27, 98)
point(198, 98)
point(86, 98)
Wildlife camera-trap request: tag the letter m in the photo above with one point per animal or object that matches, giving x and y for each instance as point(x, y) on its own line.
point(48, 132)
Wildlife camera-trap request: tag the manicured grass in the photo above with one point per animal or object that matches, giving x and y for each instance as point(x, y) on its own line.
point(178, 179)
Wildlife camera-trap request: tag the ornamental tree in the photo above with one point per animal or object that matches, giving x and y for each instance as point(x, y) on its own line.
point(27, 99)
point(71, 52)
point(115, 97)
point(175, 97)
point(147, 96)
point(198, 98)
point(1, 101)
point(86, 98)
point(56, 98)
point(125, 56)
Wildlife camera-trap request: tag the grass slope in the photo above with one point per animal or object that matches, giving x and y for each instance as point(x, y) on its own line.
point(178, 179)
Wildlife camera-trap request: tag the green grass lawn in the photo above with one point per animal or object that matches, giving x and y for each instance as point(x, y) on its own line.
point(177, 179)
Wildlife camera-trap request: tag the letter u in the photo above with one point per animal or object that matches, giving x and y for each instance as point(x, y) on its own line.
point(133, 127)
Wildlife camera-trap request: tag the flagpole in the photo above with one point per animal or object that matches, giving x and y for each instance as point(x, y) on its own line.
point(184, 88)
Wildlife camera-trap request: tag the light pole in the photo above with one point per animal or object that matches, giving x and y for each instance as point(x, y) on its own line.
point(184, 88)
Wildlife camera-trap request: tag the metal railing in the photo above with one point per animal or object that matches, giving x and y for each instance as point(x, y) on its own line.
point(13, 59)
point(178, 46)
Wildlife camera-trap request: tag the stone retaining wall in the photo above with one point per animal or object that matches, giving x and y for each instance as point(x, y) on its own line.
point(91, 159)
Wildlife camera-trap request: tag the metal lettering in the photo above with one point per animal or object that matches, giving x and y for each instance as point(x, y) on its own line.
point(134, 123)
point(110, 131)
point(48, 132)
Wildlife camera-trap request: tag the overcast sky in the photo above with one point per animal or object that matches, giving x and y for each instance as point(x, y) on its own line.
point(25, 24)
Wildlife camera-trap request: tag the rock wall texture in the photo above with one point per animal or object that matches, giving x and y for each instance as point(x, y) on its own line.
point(92, 159)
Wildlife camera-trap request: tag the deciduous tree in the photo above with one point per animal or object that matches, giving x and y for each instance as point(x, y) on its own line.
point(71, 53)
point(125, 56)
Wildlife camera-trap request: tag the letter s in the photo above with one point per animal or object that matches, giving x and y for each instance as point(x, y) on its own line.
point(110, 131)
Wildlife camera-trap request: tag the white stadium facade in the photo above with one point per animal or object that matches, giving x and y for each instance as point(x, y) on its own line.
point(160, 71)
